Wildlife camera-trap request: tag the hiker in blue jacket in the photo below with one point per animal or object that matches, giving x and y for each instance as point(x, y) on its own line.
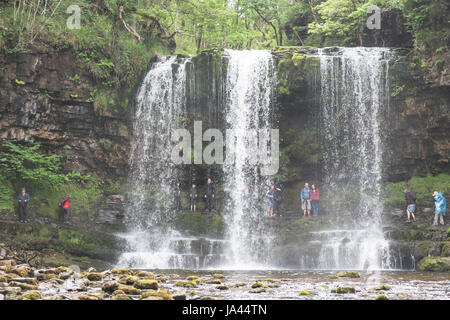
point(305, 198)
point(23, 199)
point(440, 206)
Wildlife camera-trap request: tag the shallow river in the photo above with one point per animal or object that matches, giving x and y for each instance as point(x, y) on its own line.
point(321, 285)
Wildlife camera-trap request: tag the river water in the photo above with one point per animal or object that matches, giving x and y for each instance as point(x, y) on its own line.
point(287, 284)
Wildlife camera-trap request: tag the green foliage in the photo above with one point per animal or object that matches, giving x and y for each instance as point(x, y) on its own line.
point(435, 264)
point(194, 223)
point(423, 187)
point(22, 164)
point(106, 144)
point(75, 78)
point(198, 224)
point(6, 196)
point(397, 90)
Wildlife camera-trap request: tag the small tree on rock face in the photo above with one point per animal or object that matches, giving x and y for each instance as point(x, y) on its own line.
point(24, 165)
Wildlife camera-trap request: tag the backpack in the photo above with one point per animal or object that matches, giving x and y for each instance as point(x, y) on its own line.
point(61, 203)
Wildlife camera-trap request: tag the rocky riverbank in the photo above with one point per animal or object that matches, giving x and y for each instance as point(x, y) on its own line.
point(23, 282)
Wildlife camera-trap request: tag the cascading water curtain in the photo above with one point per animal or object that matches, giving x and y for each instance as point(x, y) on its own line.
point(249, 95)
point(160, 103)
point(353, 92)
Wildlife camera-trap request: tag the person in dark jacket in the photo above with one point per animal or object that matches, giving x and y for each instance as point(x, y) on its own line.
point(65, 205)
point(193, 197)
point(177, 196)
point(209, 195)
point(410, 198)
point(24, 199)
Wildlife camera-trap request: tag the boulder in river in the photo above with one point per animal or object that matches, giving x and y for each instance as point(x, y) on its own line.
point(147, 284)
point(437, 264)
point(31, 295)
point(304, 292)
point(32, 281)
point(344, 290)
point(348, 274)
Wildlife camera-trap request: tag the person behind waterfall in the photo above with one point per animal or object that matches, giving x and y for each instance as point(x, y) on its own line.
point(193, 197)
point(271, 197)
point(24, 199)
point(65, 205)
point(440, 207)
point(410, 198)
point(209, 195)
point(177, 197)
point(278, 198)
point(247, 198)
point(315, 194)
point(305, 198)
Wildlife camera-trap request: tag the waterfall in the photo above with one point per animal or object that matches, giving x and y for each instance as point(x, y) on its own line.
point(249, 96)
point(354, 89)
point(239, 92)
point(160, 102)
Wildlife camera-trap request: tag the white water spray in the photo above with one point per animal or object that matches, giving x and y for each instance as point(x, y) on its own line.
point(249, 96)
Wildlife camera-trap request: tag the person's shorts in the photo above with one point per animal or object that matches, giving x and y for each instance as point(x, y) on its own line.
point(271, 203)
point(306, 204)
point(411, 208)
point(193, 201)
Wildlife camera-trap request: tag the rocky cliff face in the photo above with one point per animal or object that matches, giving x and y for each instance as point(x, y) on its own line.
point(418, 124)
point(45, 96)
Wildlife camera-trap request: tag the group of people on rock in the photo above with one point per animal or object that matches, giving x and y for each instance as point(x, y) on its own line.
point(440, 206)
point(24, 199)
point(309, 198)
point(209, 196)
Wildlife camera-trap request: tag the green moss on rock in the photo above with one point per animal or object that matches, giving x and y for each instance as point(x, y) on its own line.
point(147, 284)
point(348, 274)
point(382, 288)
point(186, 284)
point(445, 251)
point(344, 290)
point(93, 276)
point(304, 292)
point(435, 264)
point(31, 295)
point(259, 284)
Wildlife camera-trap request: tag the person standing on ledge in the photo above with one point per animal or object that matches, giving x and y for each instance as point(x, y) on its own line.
point(305, 198)
point(24, 199)
point(65, 204)
point(315, 194)
point(209, 195)
point(271, 195)
point(440, 206)
point(193, 197)
point(410, 198)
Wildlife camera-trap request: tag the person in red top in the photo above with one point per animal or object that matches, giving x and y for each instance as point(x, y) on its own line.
point(315, 200)
point(66, 207)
